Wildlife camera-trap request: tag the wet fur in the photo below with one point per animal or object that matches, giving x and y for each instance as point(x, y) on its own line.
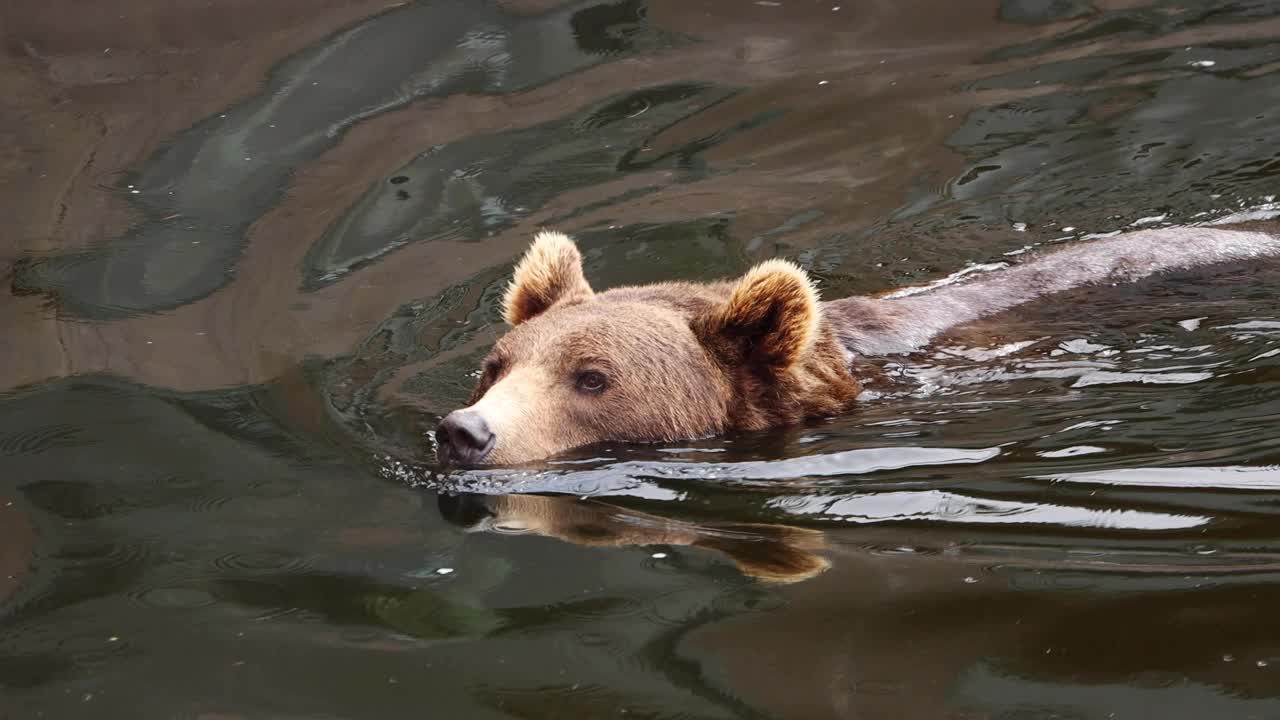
point(894, 324)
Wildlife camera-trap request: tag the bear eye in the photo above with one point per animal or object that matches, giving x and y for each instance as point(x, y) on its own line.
point(590, 381)
point(492, 369)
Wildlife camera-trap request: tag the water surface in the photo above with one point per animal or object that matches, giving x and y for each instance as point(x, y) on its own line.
point(255, 252)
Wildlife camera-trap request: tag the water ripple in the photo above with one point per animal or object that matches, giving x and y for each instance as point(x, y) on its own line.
point(950, 507)
point(636, 477)
point(1217, 478)
point(36, 440)
point(264, 562)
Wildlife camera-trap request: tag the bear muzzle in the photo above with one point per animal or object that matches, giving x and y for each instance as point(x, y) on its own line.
point(464, 438)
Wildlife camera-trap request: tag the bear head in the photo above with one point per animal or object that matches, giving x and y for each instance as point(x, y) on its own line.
point(663, 362)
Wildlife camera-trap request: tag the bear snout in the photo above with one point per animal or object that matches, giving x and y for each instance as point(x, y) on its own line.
point(464, 438)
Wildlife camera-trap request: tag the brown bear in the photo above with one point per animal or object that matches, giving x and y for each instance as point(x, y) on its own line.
point(676, 361)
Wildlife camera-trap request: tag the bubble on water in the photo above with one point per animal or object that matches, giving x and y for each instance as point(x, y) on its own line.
point(1202, 63)
point(658, 555)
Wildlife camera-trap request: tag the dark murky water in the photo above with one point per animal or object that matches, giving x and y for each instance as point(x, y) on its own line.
point(254, 251)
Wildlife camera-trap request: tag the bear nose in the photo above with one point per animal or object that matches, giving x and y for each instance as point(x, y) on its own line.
point(463, 437)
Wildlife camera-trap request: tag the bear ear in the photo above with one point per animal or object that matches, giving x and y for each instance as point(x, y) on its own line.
point(550, 272)
point(772, 317)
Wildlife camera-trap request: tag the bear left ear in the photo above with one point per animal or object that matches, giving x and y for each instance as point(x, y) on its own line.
point(550, 272)
point(772, 317)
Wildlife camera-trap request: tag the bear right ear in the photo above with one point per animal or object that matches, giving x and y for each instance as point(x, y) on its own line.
point(550, 272)
point(772, 317)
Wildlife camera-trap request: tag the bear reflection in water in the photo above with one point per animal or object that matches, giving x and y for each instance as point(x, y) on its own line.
point(677, 361)
point(773, 553)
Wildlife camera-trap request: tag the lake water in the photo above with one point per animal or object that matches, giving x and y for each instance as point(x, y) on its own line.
point(253, 251)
